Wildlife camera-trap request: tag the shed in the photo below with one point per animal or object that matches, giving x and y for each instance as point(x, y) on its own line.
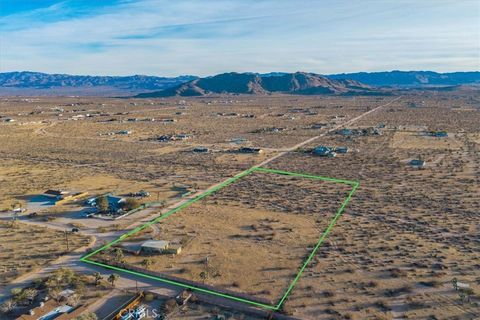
point(173, 249)
point(417, 163)
point(345, 132)
point(341, 149)
point(200, 149)
point(440, 134)
point(57, 194)
point(155, 246)
point(250, 150)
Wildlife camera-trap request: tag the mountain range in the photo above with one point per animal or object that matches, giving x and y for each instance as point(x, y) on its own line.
point(39, 84)
point(248, 83)
point(412, 79)
point(36, 83)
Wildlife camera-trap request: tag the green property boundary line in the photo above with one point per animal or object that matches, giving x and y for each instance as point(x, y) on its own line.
point(353, 184)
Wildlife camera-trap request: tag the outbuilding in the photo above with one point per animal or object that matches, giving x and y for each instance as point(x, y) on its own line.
point(154, 246)
point(341, 149)
point(200, 150)
point(417, 163)
point(323, 151)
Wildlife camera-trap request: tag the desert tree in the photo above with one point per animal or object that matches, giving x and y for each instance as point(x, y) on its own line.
point(30, 294)
point(87, 316)
point(146, 263)
point(102, 204)
point(119, 256)
point(54, 293)
point(113, 278)
point(98, 277)
point(204, 276)
point(131, 203)
point(73, 300)
point(7, 306)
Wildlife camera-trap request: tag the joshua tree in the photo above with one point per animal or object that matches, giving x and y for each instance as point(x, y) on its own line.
point(7, 306)
point(73, 300)
point(119, 256)
point(455, 283)
point(204, 275)
point(113, 278)
point(147, 263)
point(98, 277)
point(55, 294)
point(30, 294)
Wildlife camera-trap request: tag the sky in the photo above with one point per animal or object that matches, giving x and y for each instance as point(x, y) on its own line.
point(207, 37)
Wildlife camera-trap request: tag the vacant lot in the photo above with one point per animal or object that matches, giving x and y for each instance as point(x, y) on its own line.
point(255, 234)
point(24, 248)
point(419, 141)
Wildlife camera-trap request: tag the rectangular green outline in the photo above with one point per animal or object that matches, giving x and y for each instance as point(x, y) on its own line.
point(354, 184)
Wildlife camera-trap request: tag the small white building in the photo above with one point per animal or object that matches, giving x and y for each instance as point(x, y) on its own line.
point(155, 246)
point(160, 247)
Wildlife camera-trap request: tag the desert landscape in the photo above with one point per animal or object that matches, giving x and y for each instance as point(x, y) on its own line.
point(240, 160)
point(407, 235)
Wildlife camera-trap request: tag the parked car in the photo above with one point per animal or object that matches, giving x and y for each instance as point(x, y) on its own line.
point(143, 194)
point(139, 194)
point(33, 215)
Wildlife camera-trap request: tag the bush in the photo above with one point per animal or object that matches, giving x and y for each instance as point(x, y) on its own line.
point(102, 204)
point(149, 297)
point(131, 203)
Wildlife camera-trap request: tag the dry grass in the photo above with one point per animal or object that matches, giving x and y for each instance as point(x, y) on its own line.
point(24, 248)
point(268, 236)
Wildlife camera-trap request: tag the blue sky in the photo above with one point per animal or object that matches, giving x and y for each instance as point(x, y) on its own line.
point(205, 37)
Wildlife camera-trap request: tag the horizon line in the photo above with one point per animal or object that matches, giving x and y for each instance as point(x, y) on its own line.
point(239, 72)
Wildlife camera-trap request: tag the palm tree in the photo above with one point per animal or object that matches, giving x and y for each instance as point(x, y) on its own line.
point(147, 263)
point(98, 277)
point(112, 278)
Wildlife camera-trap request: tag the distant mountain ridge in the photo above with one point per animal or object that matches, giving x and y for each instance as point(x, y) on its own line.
point(251, 83)
point(412, 78)
point(37, 83)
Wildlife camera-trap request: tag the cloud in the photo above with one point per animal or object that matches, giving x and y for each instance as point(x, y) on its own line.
point(205, 37)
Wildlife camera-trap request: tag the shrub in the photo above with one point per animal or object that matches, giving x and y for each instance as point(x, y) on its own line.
point(131, 203)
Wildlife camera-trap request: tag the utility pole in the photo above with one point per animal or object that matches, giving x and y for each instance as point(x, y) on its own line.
point(66, 240)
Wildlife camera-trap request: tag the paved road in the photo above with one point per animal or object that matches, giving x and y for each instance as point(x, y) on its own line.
point(130, 281)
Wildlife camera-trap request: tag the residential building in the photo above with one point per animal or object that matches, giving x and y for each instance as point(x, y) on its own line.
point(323, 151)
point(417, 163)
